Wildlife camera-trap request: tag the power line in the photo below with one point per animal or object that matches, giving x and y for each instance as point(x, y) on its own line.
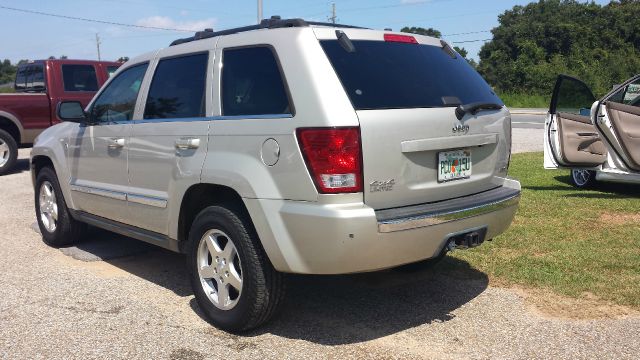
point(468, 33)
point(470, 41)
point(91, 20)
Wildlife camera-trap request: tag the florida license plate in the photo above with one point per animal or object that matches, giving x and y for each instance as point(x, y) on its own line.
point(454, 165)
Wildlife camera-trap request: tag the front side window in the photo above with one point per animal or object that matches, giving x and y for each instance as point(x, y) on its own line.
point(252, 83)
point(79, 78)
point(178, 88)
point(118, 100)
point(572, 96)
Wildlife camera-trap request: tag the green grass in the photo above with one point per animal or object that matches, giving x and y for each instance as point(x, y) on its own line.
point(7, 90)
point(514, 100)
point(567, 240)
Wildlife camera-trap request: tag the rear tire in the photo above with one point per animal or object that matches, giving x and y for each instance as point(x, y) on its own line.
point(583, 179)
point(8, 152)
point(56, 225)
point(233, 281)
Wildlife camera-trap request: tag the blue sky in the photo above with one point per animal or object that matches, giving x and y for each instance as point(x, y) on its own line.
point(32, 36)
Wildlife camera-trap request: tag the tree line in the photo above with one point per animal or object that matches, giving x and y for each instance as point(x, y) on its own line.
point(532, 44)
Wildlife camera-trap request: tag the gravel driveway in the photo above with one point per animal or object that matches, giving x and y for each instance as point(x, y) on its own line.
point(136, 303)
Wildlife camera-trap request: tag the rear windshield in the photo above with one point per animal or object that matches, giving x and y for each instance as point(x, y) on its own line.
point(392, 75)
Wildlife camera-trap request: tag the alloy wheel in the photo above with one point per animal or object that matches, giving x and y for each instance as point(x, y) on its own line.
point(219, 269)
point(48, 207)
point(4, 153)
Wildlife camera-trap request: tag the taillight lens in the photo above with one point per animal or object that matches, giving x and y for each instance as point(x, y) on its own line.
point(333, 157)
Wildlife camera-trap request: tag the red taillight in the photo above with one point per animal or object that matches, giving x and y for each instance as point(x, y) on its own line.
point(333, 157)
point(400, 38)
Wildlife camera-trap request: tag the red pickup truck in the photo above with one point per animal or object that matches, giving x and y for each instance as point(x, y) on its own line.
point(40, 86)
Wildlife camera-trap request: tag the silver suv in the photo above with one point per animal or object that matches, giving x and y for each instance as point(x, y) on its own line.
point(285, 147)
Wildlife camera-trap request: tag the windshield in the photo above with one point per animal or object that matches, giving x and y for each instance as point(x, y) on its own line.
point(392, 75)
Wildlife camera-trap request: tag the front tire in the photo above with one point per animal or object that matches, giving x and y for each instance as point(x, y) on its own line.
point(56, 225)
point(8, 152)
point(234, 283)
point(583, 179)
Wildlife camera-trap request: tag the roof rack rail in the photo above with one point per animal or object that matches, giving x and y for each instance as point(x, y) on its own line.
point(273, 23)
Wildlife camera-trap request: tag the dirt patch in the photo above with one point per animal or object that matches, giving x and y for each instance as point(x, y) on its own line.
point(620, 218)
point(586, 307)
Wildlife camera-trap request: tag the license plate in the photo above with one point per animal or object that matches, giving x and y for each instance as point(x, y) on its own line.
point(454, 165)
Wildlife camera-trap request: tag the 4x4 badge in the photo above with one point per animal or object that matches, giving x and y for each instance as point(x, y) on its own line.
point(378, 186)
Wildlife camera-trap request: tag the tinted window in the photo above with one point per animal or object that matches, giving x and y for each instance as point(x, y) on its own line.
point(573, 96)
point(178, 88)
point(252, 83)
point(111, 70)
point(21, 78)
point(391, 75)
point(118, 100)
point(79, 78)
point(629, 94)
point(34, 78)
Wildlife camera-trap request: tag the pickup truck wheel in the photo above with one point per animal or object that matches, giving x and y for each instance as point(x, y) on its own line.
point(56, 225)
point(8, 152)
point(234, 283)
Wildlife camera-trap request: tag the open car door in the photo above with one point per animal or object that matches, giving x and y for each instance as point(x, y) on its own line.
point(618, 120)
point(571, 138)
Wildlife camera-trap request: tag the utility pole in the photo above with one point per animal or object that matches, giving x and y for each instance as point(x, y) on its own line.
point(98, 45)
point(333, 13)
point(259, 11)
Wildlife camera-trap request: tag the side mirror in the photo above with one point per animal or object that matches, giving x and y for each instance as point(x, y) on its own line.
point(71, 111)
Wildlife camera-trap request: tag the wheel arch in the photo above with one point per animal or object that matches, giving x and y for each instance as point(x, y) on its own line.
point(198, 197)
point(10, 124)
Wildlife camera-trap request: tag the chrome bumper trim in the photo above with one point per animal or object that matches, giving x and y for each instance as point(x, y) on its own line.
point(436, 218)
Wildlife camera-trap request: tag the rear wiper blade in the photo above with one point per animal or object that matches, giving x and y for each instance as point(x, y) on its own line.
point(473, 108)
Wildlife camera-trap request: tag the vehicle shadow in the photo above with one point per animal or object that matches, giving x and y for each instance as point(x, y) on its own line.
point(347, 309)
point(151, 263)
point(20, 166)
point(609, 190)
point(328, 310)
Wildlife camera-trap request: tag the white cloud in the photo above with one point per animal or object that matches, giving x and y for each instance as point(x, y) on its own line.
point(184, 13)
point(168, 23)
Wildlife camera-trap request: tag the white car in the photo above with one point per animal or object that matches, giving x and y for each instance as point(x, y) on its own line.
point(598, 140)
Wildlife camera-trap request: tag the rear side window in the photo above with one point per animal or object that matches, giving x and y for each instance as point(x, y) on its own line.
point(393, 75)
point(117, 102)
point(252, 83)
point(79, 78)
point(178, 88)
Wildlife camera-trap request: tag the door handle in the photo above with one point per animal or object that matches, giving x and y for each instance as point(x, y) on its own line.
point(116, 143)
point(187, 143)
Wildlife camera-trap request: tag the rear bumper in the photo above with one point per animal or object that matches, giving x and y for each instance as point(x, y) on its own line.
point(315, 238)
point(412, 217)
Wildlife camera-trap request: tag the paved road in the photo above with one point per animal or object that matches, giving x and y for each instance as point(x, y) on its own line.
point(527, 121)
point(136, 304)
